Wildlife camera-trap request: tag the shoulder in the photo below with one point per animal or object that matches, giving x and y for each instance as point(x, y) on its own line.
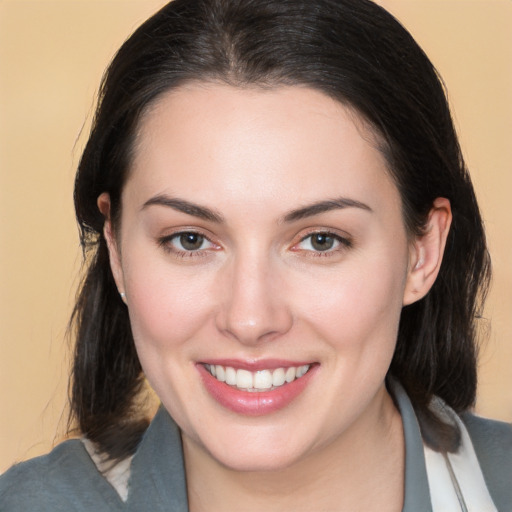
point(492, 441)
point(31, 483)
point(64, 480)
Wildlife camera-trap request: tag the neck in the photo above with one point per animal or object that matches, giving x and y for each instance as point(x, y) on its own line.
point(362, 469)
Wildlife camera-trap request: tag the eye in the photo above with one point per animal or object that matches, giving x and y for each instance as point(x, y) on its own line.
point(322, 242)
point(187, 242)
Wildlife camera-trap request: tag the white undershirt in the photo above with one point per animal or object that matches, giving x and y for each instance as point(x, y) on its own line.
point(117, 475)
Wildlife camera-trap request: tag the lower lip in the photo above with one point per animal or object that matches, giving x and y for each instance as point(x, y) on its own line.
point(255, 403)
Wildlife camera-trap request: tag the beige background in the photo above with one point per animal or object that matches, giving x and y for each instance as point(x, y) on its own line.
point(52, 54)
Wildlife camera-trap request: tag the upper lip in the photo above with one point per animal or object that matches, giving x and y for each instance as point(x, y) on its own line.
point(255, 365)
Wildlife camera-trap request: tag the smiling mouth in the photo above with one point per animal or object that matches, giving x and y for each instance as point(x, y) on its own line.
point(258, 381)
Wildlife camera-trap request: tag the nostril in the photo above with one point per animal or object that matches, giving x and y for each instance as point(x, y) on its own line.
point(253, 328)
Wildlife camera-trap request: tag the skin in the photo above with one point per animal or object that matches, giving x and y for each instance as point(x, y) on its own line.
point(257, 289)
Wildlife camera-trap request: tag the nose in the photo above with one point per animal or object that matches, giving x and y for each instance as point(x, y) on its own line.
point(254, 306)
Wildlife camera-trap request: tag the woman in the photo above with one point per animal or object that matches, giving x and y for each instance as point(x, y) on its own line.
point(284, 240)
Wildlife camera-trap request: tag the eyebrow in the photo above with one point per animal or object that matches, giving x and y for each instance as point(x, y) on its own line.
point(205, 213)
point(187, 207)
point(324, 206)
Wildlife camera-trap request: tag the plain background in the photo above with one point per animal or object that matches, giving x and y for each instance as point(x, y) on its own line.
point(52, 55)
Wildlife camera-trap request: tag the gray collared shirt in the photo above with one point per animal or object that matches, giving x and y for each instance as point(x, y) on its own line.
point(67, 479)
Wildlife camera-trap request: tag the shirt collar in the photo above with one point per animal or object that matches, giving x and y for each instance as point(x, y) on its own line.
point(417, 494)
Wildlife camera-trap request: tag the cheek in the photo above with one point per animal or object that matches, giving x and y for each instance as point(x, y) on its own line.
point(167, 305)
point(359, 306)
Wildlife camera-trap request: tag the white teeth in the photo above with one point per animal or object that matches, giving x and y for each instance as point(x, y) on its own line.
point(230, 376)
point(301, 370)
point(278, 378)
point(260, 380)
point(244, 379)
point(220, 373)
point(290, 374)
point(263, 379)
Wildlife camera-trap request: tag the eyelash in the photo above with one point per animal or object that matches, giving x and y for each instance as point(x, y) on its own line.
point(166, 243)
point(340, 244)
point(343, 243)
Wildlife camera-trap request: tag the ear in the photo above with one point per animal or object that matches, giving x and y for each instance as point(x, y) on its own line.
point(112, 244)
point(426, 252)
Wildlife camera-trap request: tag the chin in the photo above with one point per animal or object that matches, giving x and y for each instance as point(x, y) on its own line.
point(256, 461)
point(252, 448)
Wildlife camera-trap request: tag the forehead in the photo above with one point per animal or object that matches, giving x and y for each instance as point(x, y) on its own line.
point(284, 142)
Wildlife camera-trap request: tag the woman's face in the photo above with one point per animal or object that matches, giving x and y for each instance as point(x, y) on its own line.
point(262, 238)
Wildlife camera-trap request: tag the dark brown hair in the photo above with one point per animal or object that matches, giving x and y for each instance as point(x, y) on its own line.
point(352, 50)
